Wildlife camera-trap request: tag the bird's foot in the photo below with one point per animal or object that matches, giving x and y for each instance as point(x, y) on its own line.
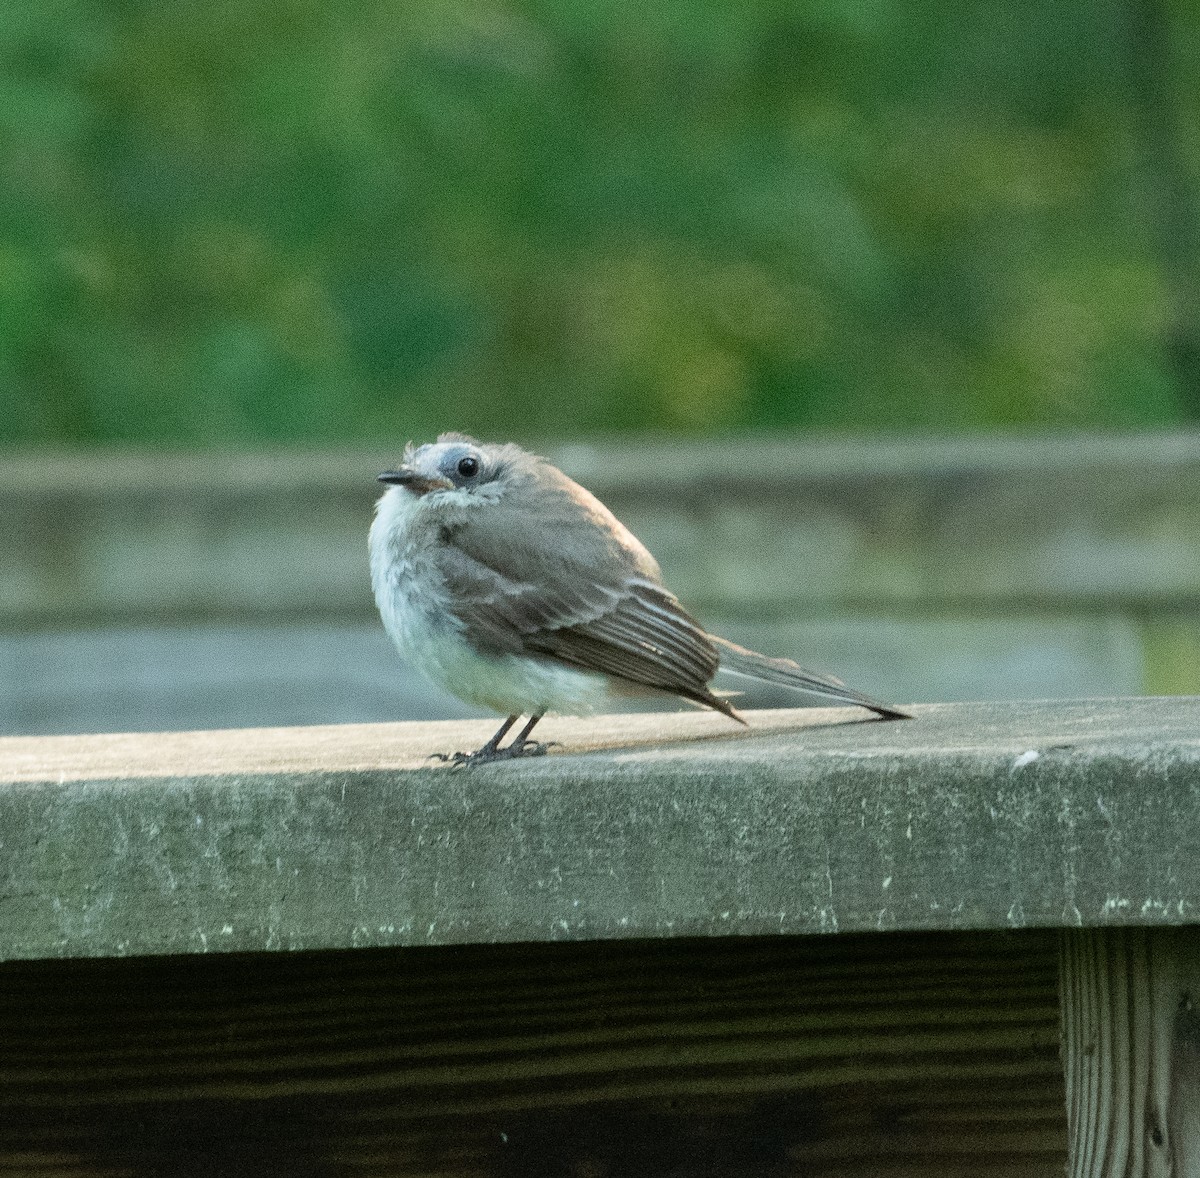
point(486, 755)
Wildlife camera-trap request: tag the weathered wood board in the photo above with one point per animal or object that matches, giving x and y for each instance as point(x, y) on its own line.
point(812, 820)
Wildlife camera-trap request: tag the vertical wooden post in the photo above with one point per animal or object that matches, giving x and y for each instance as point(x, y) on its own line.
point(1130, 1001)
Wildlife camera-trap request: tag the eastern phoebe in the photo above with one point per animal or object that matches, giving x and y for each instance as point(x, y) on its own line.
point(517, 590)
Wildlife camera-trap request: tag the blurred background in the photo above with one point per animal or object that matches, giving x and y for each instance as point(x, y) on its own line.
point(879, 321)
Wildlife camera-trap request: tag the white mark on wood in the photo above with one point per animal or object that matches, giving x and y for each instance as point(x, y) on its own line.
point(1016, 915)
point(226, 930)
point(1066, 817)
point(1026, 758)
point(828, 915)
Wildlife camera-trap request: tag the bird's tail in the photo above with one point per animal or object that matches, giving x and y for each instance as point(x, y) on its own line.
point(740, 661)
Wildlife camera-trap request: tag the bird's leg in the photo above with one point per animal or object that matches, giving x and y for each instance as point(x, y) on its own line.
point(522, 746)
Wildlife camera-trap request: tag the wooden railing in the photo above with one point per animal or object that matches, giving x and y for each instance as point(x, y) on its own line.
point(597, 962)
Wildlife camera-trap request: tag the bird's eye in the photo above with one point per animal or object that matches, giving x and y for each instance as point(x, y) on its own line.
point(468, 467)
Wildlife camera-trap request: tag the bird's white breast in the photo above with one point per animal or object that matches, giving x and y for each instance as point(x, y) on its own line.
point(415, 604)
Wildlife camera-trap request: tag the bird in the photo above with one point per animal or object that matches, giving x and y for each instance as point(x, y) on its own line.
point(517, 590)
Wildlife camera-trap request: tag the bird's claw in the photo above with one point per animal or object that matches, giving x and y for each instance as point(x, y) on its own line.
point(485, 755)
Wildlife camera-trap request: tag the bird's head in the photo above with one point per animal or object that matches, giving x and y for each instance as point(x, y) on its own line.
point(457, 469)
point(454, 468)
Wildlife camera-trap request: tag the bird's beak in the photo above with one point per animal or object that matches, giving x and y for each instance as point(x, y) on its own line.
point(418, 484)
point(399, 477)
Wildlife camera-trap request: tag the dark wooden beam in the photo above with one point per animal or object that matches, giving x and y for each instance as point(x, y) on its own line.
point(891, 1056)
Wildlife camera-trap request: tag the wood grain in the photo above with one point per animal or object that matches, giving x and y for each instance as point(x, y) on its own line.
point(889, 1055)
point(1131, 1049)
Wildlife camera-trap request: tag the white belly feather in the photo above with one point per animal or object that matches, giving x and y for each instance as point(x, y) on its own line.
point(413, 602)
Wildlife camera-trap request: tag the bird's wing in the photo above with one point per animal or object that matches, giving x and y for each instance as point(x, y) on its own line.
point(560, 603)
point(648, 639)
point(500, 611)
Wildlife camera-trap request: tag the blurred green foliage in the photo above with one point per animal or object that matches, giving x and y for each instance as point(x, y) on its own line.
point(257, 220)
